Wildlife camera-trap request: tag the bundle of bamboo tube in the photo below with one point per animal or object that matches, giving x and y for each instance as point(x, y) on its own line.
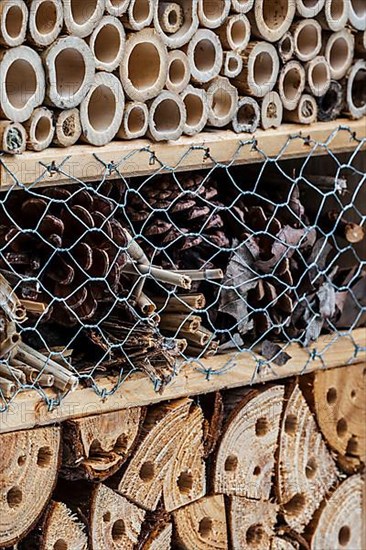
point(126, 69)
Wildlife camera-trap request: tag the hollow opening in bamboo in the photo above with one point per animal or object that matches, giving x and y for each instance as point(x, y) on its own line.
point(14, 21)
point(167, 116)
point(118, 530)
point(60, 544)
point(307, 40)
point(359, 7)
point(107, 44)
point(46, 18)
point(275, 13)
point(233, 65)
point(177, 71)
point(194, 108)
point(337, 8)
point(238, 33)
point(344, 535)
point(136, 121)
point(141, 11)
point(204, 55)
point(319, 78)
point(286, 46)
point(82, 11)
point(359, 89)
point(14, 497)
point(214, 10)
point(246, 115)
point(102, 108)
point(70, 72)
point(338, 54)
point(144, 75)
point(43, 129)
point(205, 527)
point(20, 83)
point(263, 68)
point(222, 102)
point(291, 84)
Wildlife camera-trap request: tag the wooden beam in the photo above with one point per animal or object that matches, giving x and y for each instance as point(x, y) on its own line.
point(142, 157)
point(226, 371)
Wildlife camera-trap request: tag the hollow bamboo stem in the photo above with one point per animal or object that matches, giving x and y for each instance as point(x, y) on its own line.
point(67, 127)
point(40, 129)
point(232, 64)
point(305, 113)
point(339, 51)
point(247, 115)
point(307, 35)
point(335, 15)
point(317, 76)
point(171, 17)
point(13, 23)
point(260, 70)
point(195, 101)
point(180, 322)
point(291, 84)
point(135, 120)
point(139, 14)
point(205, 56)
point(187, 29)
point(45, 22)
point(271, 111)
point(167, 117)
point(13, 137)
point(179, 73)
point(222, 101)
point(356, 90)
point(271, 24)
point(81, 18)
point(107, 43)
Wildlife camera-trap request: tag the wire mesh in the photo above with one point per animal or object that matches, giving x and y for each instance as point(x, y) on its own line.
point(146, 273)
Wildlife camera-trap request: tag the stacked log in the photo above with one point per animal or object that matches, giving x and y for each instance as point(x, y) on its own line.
point(55, 55)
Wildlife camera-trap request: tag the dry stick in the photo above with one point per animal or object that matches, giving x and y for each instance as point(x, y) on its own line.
point(356, 90)
point(317, 76)
point(12, 341)
point(161, 275)
point(116, 7)
point(147, 306)
point(271, 24)
point(179, 73)
point(80, 20)
point(291, 84)
point(7, 388)
point(200, 338)
point(135, 120)
point(222, 100)
point(212, 14)
point(139, 14)
point(306, 111)
point(334, 17)
point(46, 19)
point(201, 275)
point(167, 117)
point(339, 51)
point(186, 31)
point(271, 111)
point(34, 453)
point(260, 69)
point(107, 43)
point(101, 111)
point(144, 68)
point(67, 127)
point(232, 64)
point(286, 47)
point(31, 374)
point(331, 104)
point(195, 101)
point(170, 17)
point(307, 35)
point(40, 129)
point(13, 23)
point(70, 69)
point(357, 15)
point(13, 137)
point(309, 8)
point(13, 374)
point(247, 115)
point(205, 56)
point(20, 69)
point(10, 303)
point(180, 302)
point(235, 33)
point(176, 321)
point(360, 44)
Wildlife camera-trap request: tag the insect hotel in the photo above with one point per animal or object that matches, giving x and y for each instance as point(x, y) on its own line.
point(182, 274)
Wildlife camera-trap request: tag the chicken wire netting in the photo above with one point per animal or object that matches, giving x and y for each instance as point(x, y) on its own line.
point(145, 273)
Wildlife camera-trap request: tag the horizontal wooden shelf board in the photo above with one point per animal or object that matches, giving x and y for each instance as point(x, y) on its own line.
point(142, 157)
point(29, 409)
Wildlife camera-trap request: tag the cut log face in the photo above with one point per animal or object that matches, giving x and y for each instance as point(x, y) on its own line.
point(253, 424)
point(29, 462)
point(202, 525)
point(339, 523)
point(251, 523)
point(305, 469)
point(61, 529)
point(95, 447)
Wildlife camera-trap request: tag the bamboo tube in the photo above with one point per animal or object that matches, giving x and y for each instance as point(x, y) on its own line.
point(309, 8)
point(232, 64)
point(260, 69)
point(167, 117)
point(10, 303)
point(161, 275)
point(13, 23)
point(107, 43)
point(317, 76)
point(67, 127)
point(356, 90)
point(180, 302)
point(11, 342)
point(13, 137)
point(339, 50)
point(23, 83)
point(178, 72)
point(116, 7)
point(30, 373)
point(199, 338)
point(135, 120)
point(144, 68)
point(305, 113)
point(335, 15)
point(146, 305)
point(101, 111)
point(307, 35)
point(170, 17)
point(270, 22)
point(286, 47)
point(357, 14)
point(271, 111)
point(331, 104)
point(195, 101)
point(40, 129)
point(222, 100)
point(7, 388)
point(291, 84)
point(213, 13)
point(201, 275)
point(46, 19)
point(360, 44)
point(186, 31)
point(242, 6)
point(139, 14)
point(81, 17)
point(247, 115)
point(10, 373)
point(180, 322)
point(205, 56)
point(235, 33)
point(70, 69)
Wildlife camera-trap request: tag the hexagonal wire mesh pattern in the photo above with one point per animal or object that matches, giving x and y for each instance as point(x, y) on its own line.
point(138, 274)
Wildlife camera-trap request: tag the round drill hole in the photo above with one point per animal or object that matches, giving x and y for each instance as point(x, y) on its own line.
point(205, 527)
point(14, 497)
point(295, 505)
point(185, 482)
point(353, 394)
point(352, 446)
point(342, 427)
point(231, 463)
point(147, 471)
point(344, 535)
point(107, 517)
point(332, 396)
point(44, 457)
point(254, 535)
point(22, 460)
point(60, 544)
point(257, 470)
point(118, 530)
point(291, 424)
point(310, 468)
point(261, 427)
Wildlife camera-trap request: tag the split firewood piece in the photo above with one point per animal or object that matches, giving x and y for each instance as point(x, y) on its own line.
point(13, 137)
point(80, 20)
point(160, 540)
point(95, 447)
point(45, 23)
point(143, 480)
point(202, 525)
point(213, 411)
point(40, 129)
point(251, 523)
point(29, 462)
point(13, 23)
point(185, 479)
point(252, 424)
point(338, 523)
point(60, 529)
point(305, 468)
point(337, 397)
point(67, 127)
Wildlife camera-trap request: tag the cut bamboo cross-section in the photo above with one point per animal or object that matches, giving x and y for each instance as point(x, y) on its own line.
point(212, 13)
point(107, 43)
point(331, 104)
point(318, 76)
point(338, 52)
point(40, 129)
point(222, 100)
point(179, 72)
point(235, 33)
point(45, 22)
point(116, 7)
point(170, 17)
point(232, 64)
point(291, 84)
point(13, 23)
point(360, 44)
point(305, 469)
point(242, 6)
point(251, 523)
point(286, 47)
point(335, 15)
point(309, 8)
point(271, 111)
point(357, 14)
point(67, 127)
point(202, 525)
point(306, 111)
point(95, 447)
point(253, 423)
point(355, 91)
point(29, 462)
point(271, 22)
point(205, 56)
point(13, 137)
point(139, 14)
point(307, 35)
point(167, 117)
point(247, 115)
point(260, 69)
point(135, 120)
point(195, 101)
point(186, 31)
point(80, 17)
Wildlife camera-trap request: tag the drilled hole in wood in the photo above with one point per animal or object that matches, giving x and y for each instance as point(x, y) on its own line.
point(344, 535)
point(254, 535)
point(352, 446)
point(231, 463)
point(310, 468)
point(107, 517)
point(121, 444)
point(185, 482)
point(147, 471)
point(332, 396)
point(60, 544)
point(353, 394)
point(118, 530)
point(295, 505)
point(205, 527)
point(291, 424)
point(44, 457)
point(14, 497)
point(257, 470)
point(22, 460)
point(342, 427)
point(261, 427)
